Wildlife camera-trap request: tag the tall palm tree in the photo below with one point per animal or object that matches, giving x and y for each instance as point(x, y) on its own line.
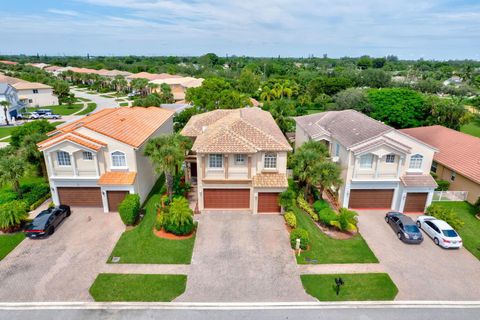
point(167, 153)
point(329, 175)
point(152, 87)
point(5, 104)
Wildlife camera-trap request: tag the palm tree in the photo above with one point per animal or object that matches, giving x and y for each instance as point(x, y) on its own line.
point(31, 154)
point(167, 153)
point(329, 175)
point(5, 104)
point(152, 87)
point(12, 169)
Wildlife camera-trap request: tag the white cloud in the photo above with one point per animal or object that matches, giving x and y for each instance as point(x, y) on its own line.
point(63, 12)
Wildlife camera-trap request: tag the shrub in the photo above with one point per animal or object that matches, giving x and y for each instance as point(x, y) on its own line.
point(301, 234)
point(287, 199)
point(181, 230)
point(319, 205)
point(443, 185)
point(7, 196)
point(445, 214)
point(477, 205)
point(434, 175)
point(162, 218)
point(180, 217)
point(12, 214)
point(129, 209)
point(327, 216)
point(290, 219)
point(303, 204)
point(346, 220)
point(32, 193)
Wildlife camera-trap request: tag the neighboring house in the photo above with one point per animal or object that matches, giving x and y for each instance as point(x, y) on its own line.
point(9, 93)
point(98, 159)
point(382, 168)
point(36, 94)
point(179, 85)
point(457, 160)
point(8, 62)
point(150, 76)
point(38, 65)
point(238, 160)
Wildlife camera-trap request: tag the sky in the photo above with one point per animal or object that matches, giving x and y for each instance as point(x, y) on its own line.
point(409, 29)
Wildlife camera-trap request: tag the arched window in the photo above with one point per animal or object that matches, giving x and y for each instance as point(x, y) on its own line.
point(416, 161)
point(119, 159)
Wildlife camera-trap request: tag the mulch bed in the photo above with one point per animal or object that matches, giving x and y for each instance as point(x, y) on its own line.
point(335, 234)
point(167, 235)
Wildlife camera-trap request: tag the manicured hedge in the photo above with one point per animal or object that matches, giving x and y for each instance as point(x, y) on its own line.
point(301, 234)
point(290, 219)
point(129, 209)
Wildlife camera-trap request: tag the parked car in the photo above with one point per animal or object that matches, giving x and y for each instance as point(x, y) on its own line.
point(28, 116)
point(404, 226)
point(46, 221)
point(50, 116)
point(42, 112)
point(441, 232)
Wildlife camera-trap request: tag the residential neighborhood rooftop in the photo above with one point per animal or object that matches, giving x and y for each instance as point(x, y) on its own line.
point(30, 85)
point(457, 151)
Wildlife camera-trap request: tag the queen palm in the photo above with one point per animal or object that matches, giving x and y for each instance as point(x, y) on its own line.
point(5, 104)
point(12, 169)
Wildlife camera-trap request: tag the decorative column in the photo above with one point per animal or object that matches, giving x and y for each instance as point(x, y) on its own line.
point(74, 164)
point(50, 164)
point(400, 163)
point(376, 166)
point(97, 168)
point(249, 164)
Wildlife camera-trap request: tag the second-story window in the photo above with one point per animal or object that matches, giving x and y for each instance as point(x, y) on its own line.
point(390, 158)
point(119, 159)
point(416, 161)
point(337, 150)
point(240, 159)
point(35, 90)
point(366, 161)
point(215, 161)
point(270, 161)
point(63, 158)
point(87, 155)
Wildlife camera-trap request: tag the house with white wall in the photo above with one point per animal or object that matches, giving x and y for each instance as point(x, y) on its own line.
point(36, 94)
point(382, 168)
point(8, 93)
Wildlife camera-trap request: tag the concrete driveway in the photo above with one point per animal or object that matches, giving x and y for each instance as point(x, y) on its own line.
point(425, 271)
point(63, 266)
point(240, 257)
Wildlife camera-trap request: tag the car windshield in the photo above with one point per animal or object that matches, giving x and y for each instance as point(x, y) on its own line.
point(411, 228)
point(449, 233)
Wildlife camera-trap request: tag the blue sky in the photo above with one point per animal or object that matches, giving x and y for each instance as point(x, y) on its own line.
point(409, 29)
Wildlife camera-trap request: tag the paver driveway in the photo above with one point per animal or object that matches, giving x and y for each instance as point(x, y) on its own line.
point(64, 266)
point(425, 271)
point(240, 257)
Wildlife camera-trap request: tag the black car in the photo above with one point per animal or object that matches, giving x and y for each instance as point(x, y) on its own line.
point(46, 221)
point(406, 229)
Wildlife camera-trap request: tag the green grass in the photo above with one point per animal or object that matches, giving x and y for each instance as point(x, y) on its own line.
point(312, 111)
point(471, 230)
point(8, 242)
point(328, 250)
point(92, 92)
point(65, 110)
point(123, 104)
point(107, 96)
point(6, 131)
point(119, 100)
point(357, 287)
point(83, 99)
point(472, 128)
point(57, 123)
point(140, 245)
point(137, 287)
point(90, 108)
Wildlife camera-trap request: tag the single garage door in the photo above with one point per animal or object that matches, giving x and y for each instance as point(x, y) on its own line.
point(114, 198)
point(226, 198)
point(371, 199)
point(268, 202)
point(80, 196)
point(415, 202)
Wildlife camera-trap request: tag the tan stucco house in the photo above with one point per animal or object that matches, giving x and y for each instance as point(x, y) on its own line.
point(36, 94)
point(457, 160)
point(97, 160)
point(238, 160)
point(382, 168)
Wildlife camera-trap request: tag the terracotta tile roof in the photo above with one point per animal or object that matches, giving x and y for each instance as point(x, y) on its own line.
point(270, 180)
point(75, 137)
point(187, 82)
point(457, 151)
point(117, 178)
point(246, 130)
point(151, 76)
point(132, 126)
point(9, 80)
point(418, 180)
point(30, 85)
point(8, 62)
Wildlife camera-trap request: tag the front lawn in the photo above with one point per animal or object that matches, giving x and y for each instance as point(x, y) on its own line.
point(123, 104)
point(357, 287)
point(6, 131)
point(472, 128)
point(328, 250)
point(137, 287)
point(471, 230)
point(8, 242)
point(65, 110)
point(90, 108)
point(140, 245)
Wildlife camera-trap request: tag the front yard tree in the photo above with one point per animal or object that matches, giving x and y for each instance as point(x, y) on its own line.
point(12, 169)
point(167, 153)
point(329, 175)
point(5, 104)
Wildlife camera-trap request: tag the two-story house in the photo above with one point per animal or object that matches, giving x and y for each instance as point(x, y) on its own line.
point(36, 94)
point(97, 160)
point(382, 168)
point(238, 160)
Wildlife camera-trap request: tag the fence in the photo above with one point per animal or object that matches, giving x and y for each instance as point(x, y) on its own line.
point(450, 195)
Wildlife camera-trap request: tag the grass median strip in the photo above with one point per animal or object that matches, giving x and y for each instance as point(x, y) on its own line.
point(8, 242)
point(90, 108)
point(357, 287)
point(137, 287)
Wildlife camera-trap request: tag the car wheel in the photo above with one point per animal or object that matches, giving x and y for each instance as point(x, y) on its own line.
point(435, 240)
point(419, 225)
point(387, 220)
point(51, 231)
point(399, 235)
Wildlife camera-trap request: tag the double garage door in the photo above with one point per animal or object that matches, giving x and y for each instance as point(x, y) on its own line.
point(239, 199)
point(89, 197)
point(382, 199)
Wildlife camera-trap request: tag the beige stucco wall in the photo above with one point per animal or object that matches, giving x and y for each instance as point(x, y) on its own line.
point(461, 183)
point(44, 97)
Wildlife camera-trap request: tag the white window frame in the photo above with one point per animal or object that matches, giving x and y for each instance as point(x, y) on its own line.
point(240, 159)
point(364, 164)
point(64, 159)
point(215, 161)
point(270, 161)
point(337, 150)
point(87, 155)
point(118, 153)
point(389, 157)
point(416, 162)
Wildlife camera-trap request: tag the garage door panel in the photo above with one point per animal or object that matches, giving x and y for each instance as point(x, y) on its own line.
point(226, 198)
point(114, 199)
point(415, 202)
point(268, 202)
point(80, 196)
point(371, 198)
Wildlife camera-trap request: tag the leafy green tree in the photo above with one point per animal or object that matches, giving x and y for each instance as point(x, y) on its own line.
point(248, 82)
point(29, 151)
point(62, 90)
point(19, 133)
point(216, 93)
point(181, 119)
point(352, 98)
point(450, 113)
point(5, 104)
point(140, 85)
point(378, 62)
point(12, 169)
point(329, 174)
point(374, 78)
point(364, 62)
point(282, 111)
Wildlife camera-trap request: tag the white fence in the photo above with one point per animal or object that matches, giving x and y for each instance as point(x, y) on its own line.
point(450, 195)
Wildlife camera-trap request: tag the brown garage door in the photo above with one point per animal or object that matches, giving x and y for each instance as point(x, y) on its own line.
point(415, 202)
point(114, 199)
point(268, 202)
point(80, 196)
point(226, 198)
point(371, 199)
